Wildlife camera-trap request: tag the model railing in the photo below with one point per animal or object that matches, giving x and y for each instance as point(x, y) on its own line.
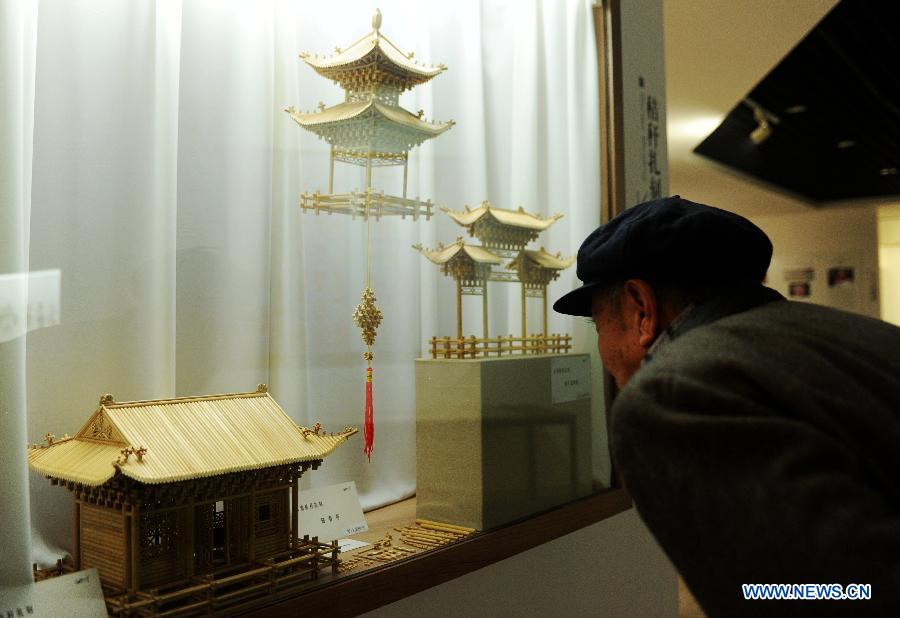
point(474, 347)
point(224, 591)
point(365, 203)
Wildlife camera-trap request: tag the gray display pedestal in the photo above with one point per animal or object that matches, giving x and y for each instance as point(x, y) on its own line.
point(498, 439)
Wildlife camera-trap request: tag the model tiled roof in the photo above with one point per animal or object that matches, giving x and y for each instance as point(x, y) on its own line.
point(442, 255)
point(514, 218)
point(373, 59)
point(184, 438)
point(369, 125)
point(549, 260)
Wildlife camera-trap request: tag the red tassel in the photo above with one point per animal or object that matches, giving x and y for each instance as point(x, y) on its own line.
point(369, 427)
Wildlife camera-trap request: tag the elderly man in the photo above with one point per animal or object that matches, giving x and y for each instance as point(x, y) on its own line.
point(759, 438)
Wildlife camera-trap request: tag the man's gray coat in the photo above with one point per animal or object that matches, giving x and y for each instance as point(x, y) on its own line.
point(764, 447)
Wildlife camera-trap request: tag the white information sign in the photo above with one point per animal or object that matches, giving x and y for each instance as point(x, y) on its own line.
point(331, 512)
point(351, 544)
point(75, 595)
point(570, 378)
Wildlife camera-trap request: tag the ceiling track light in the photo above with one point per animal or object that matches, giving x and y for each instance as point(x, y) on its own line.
point(764, 121)
point(762, 132)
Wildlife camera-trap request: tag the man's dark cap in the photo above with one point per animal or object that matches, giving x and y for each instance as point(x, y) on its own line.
point(670, 242)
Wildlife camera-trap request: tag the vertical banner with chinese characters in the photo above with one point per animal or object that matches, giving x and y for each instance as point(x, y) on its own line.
point(644, 102)
point(651, 173)
point(331, 512)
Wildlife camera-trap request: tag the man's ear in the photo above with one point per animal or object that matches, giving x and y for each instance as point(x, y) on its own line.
point(641, 310)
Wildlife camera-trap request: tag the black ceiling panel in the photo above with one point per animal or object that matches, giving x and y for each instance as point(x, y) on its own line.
point(832, 110)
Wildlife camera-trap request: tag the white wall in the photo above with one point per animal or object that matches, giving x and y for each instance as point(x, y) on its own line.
point(889, 262)
point(612, 568)
point(820, 240)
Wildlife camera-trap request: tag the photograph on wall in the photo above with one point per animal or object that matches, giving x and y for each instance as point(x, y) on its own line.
point(799, 289)
point(841, 276)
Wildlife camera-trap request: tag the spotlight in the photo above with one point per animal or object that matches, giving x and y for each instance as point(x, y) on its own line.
point(763, 131)
point(764, 121)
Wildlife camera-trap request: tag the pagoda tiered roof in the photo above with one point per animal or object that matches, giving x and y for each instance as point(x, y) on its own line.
point(536, 269)
point(502, 228)
point(370, 126)
point(468, 264)
point(372, 60)
point(503, 216)
point(548, 260)
point(442, 255)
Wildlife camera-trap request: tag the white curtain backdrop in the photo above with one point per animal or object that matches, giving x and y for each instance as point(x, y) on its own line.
point(18, 25)
point(165, 185)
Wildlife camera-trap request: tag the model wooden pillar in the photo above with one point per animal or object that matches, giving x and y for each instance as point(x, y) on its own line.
point(135, 549)
point(405, 174)
point(331, 172)
point(251, 545)
point(76, 533)
point(484, 309)
point(295, 510)
point(189, 539)
point(524, 321)
point(459, 329)
point(544, 296)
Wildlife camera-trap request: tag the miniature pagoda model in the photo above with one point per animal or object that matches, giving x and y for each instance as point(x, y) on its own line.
point(503, 234)
point(190, 504)
point(369, 129)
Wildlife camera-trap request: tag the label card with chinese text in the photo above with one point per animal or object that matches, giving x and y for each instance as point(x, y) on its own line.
point(74, 595)
point(570, 378)
point(331, 512)
point(351, 544)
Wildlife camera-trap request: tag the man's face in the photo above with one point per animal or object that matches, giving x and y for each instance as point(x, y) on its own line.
point(617, 337)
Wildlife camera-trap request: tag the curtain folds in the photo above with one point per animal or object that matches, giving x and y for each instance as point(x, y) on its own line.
point(165, 185)
point(18, 25)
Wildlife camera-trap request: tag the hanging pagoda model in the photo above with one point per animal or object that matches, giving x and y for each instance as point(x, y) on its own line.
point(190, 505)
point(502, 256)
point(369, 129)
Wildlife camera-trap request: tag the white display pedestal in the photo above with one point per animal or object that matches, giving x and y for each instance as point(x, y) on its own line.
point(499, 439)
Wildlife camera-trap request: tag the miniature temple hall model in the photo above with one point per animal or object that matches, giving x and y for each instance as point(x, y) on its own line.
point(369, 129)
point(190, 504)
point(503, 234)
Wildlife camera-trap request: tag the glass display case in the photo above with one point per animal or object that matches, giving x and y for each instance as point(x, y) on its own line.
point(365, 211)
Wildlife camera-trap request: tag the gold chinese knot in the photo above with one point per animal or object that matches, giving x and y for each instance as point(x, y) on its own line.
point(367, 316)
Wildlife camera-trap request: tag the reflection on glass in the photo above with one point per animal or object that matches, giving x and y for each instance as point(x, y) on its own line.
point(28, 301)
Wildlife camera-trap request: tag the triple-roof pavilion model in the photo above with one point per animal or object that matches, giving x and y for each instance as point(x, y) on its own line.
point(370, 128)
point(504, 235)
point(192, 498)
